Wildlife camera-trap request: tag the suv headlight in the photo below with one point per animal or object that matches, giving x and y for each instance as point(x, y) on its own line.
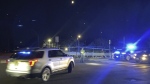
point(144, 55)
point(144, 58)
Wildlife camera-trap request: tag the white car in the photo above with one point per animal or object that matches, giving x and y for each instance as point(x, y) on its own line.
point(39, 63)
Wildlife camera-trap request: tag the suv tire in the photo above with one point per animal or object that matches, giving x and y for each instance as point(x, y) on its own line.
point(128, 58)
point(45, 75)
point(70, 67)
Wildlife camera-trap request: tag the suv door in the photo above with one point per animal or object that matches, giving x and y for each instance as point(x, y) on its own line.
point(54, 59)
point(64, 59)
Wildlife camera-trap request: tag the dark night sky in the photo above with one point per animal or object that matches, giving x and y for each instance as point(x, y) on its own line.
point(114, 18)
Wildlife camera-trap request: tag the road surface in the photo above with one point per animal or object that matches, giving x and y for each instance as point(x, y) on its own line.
point(102, 71)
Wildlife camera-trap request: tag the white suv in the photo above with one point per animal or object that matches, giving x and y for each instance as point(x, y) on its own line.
point(38, 63)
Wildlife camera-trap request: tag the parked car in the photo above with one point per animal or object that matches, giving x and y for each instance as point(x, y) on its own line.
point(40, 63)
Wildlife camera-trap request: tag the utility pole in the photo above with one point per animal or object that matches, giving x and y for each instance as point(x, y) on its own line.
point(109, 49)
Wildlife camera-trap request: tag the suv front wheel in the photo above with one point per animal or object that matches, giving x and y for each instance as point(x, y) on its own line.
point(70, 67)
point(45, 75)
point(128, 58)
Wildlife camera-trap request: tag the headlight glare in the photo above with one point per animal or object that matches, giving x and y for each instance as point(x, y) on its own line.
point(144, 55)
point(144, 58)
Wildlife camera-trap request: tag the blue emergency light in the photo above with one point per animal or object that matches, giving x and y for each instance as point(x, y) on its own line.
point(25, 52)
point(117, 52)
point(131, 46)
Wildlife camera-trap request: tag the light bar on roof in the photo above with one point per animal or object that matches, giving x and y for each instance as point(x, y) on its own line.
point(25, 52)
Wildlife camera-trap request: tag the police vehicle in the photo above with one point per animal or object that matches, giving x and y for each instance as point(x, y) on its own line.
point(143, 56)
point(119, 55)
point(42, 63)
point(122, 55)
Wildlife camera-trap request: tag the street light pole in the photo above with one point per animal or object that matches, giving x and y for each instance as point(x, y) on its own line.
point(49, 40)
point(109, 49)
point(78, 37)
point(78, 45)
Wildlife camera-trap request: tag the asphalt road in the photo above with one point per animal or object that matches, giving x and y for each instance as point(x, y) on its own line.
point(102, 71)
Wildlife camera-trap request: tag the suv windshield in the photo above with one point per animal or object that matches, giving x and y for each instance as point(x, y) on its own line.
point(27, 55)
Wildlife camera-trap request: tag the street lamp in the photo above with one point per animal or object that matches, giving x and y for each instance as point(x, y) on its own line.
point(79, 36)
point(49, 40)
point(72, 2)
point(66, 49)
